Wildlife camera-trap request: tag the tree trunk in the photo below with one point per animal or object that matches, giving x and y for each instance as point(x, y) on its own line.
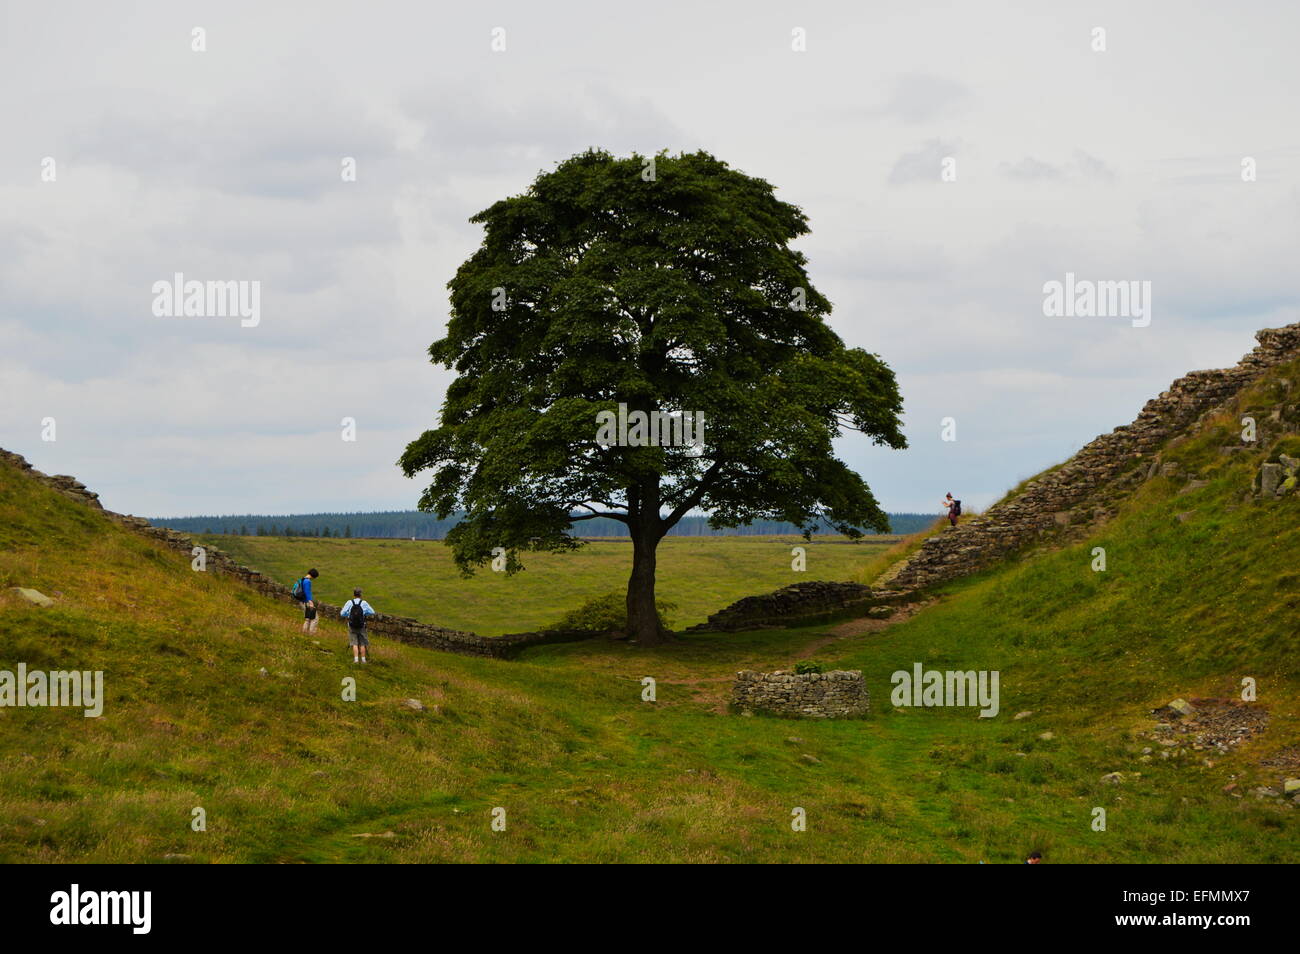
point(642, 619)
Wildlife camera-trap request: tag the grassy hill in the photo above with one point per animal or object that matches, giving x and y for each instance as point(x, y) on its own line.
point(288, 771)
point(418, 578)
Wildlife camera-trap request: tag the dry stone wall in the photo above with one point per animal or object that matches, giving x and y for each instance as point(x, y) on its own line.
point(800, 603)
point(399, 628)
point(1085, 488)
point(814, 695)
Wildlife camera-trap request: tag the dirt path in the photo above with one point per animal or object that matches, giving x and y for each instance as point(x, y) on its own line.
point(863, 625)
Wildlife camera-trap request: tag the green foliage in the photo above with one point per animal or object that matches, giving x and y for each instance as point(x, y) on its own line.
point(806, 666)
point(597, 288)
point(608, 613)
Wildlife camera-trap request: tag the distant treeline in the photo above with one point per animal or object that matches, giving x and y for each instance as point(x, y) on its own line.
point(425, 526)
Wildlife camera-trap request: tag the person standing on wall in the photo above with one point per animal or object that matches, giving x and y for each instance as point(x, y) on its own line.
point(953, 507)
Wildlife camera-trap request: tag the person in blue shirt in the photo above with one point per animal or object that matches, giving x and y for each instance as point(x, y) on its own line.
point(309, 620)
point(357, 625)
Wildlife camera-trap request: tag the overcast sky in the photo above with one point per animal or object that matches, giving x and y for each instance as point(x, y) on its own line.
point(1124, 164)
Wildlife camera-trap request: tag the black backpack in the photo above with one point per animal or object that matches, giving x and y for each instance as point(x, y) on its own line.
point(298, 591)
point(356, 616)
point(956, 508)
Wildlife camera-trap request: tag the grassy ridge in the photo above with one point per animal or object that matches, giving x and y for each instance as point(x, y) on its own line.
point(700, 575)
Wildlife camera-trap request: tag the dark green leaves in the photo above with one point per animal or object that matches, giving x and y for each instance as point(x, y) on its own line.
point(598, 288)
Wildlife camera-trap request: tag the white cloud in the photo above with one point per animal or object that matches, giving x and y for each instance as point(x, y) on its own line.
point(1123, 165)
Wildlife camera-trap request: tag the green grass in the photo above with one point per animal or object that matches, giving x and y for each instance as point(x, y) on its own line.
point(289, 772)
point(700, 575)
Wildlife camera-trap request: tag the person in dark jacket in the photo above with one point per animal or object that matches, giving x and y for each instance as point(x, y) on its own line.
point(356, 611)
point(954, 509)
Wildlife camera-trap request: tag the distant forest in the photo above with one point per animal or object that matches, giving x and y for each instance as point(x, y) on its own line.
point(425, 526)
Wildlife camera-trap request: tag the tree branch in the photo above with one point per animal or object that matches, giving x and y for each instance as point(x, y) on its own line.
point(694, 497)
point(595, 513)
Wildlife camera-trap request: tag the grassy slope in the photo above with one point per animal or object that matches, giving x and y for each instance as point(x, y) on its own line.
point(700, 574)
point(289, 772)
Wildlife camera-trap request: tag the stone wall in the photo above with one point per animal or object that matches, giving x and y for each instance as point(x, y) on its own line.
point(814, 695)
point(812, 602)
point(398, 628)
point(1085, 489)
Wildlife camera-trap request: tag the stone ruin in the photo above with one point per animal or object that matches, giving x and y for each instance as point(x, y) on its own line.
point(814, 695)
point(811, 602)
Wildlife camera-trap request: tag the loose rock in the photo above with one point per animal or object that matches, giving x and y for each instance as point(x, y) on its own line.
point(35, 597)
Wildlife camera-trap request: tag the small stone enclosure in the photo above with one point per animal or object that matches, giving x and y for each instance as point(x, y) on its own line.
point(814, 695)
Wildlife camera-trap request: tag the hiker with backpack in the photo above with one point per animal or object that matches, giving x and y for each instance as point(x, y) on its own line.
point(356, 611)
point(953, 507)
point(302, 593)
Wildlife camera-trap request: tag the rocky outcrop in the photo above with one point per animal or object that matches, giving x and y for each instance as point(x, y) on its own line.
point(1277, 478)
point(68, 486)
point(398, 628)
point(1085, 488)
point(814, 695)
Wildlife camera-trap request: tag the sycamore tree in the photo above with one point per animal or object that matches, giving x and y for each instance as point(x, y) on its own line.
point(636, 339)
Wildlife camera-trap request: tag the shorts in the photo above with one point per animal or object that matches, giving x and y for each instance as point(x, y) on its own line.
point(309, 612)
point(357, 637)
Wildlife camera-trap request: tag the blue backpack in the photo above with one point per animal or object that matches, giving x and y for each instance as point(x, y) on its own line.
point(297, 591)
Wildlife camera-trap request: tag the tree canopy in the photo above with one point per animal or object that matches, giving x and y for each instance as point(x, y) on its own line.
point(644, 285)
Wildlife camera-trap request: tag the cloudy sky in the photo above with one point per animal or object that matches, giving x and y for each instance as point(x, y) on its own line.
point(1122, 164)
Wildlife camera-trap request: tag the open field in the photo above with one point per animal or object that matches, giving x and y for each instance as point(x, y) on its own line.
point(418, 578)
